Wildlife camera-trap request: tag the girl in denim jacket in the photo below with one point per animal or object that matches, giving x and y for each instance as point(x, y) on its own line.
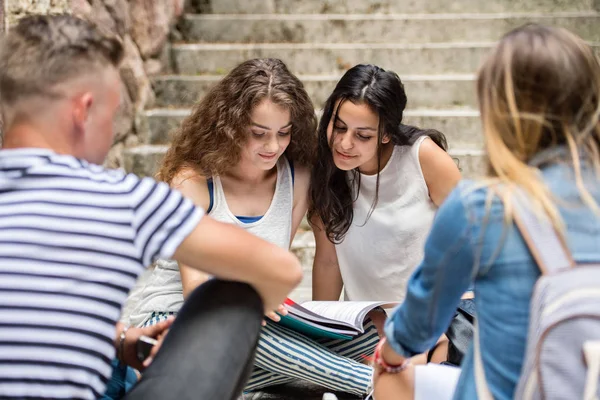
point(539, 95)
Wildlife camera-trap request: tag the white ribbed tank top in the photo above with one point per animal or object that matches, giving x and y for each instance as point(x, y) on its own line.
point(377, 257)
point(163, 291)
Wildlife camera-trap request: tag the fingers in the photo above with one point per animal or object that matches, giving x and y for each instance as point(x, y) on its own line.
point(158, 331)
point(273, 316)
point(155, 330)
point(276, 315)
point(148, 360)
point(282, 310)
point(155, 348)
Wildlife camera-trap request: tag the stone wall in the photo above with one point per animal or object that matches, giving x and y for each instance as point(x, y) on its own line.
point(16, 9)
point(2, 16)
point(144, 26)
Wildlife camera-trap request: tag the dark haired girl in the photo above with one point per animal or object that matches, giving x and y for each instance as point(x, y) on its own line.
point(375, 187)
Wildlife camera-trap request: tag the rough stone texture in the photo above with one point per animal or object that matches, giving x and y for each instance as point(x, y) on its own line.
point(119, 12)
point(152, 21)
point(153, 67)
point(111, 16)
point(2, 16)
point(370, 28)
point(134, 76)
point(451, 90)
point(125, 116)
point(387, 6)
point(122, 17)
point(16, 9)
point(114, 159)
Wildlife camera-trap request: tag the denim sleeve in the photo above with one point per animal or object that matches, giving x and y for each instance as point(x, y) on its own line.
point(436, 286)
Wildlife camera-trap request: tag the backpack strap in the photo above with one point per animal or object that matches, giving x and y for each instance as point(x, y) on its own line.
point(550, 253)
point(548, 249)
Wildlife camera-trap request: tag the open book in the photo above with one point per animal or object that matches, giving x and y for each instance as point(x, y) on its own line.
point(330, 319)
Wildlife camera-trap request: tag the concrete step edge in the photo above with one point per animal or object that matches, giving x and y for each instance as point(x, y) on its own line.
point(390, 17)
point(334, 46)
point(327, 46)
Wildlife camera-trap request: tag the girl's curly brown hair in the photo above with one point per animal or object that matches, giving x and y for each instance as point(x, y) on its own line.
point(210, 140)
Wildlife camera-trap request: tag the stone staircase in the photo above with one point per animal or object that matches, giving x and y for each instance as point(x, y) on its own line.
point(435, 54)
point(435, 46)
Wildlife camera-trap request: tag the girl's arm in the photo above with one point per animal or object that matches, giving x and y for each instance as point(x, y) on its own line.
point(194, 187)
point(326, 277)
point(436, 286)
point(301, 183)
point(439, 170)
point(327, 281)
point(232, 253)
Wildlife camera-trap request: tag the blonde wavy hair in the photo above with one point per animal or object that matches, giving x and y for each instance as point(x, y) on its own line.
point(539, 89)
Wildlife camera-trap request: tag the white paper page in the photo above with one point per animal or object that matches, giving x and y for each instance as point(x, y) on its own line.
point(351, 312)
point(307, 315)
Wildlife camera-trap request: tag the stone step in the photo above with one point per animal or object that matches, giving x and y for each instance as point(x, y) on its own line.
point(391, 6)
point(462, 127)
point(424, 91)
point(369, 28)
point(144, 160)
point(333, 58)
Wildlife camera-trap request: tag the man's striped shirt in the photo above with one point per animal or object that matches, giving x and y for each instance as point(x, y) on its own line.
point(73, 239)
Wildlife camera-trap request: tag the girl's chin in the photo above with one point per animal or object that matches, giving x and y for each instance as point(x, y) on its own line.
point(344, 165)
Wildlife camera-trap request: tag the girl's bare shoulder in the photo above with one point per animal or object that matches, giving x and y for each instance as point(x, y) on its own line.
point(193, 185)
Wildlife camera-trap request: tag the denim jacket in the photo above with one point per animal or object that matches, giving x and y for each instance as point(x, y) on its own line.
point(471, 243)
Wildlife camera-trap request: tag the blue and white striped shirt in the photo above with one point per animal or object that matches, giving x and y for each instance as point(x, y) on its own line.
point(73, 239)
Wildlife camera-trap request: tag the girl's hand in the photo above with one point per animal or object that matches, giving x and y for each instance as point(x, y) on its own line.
point(275, 315)
point(378, 316)
point(157, 331)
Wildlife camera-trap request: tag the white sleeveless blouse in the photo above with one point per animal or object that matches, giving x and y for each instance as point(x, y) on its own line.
point(378, 254)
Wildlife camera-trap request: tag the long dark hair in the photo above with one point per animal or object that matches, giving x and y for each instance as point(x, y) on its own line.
point(331, 189)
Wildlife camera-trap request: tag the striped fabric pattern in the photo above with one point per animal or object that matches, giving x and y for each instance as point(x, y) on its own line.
point(73, 239)
point(284, 355)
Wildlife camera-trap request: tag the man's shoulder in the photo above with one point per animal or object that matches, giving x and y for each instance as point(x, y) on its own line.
point(76, 169)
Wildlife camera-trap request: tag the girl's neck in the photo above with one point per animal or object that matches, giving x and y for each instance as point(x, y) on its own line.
point(370, 168)
point(247, 173)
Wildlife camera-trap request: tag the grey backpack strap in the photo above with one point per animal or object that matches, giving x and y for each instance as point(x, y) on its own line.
point(550, 253)
point(547, 247)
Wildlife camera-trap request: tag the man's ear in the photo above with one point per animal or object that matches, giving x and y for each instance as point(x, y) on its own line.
point(81, 110)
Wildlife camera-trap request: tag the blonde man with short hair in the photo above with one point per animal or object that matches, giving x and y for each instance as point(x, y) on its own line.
point(74, 237)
